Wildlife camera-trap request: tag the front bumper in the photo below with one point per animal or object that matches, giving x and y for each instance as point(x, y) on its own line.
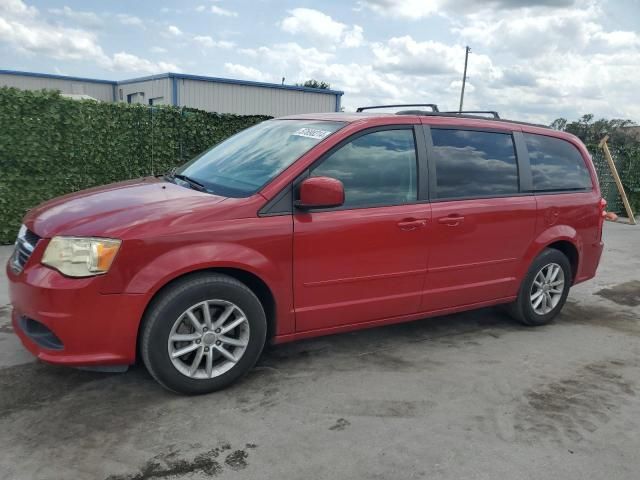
point(93, 329)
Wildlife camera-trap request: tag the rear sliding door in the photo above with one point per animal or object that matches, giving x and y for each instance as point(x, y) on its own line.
point(483, 220)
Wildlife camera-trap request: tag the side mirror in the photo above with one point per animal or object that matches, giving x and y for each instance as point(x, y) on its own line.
point(320, 192)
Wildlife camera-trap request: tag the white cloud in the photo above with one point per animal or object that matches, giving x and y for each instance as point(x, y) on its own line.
point(127, 19)
point(408, 56)
point(158, 49)
point(17, 8)
point(88, 19)
point(56, 42)
point(590, 76)
point(204, 40)
point(290, 56)
point(315, 24)
point(246, 73)
point(173, 30)
point(127, 62)
point(22, 29)
point(223, 12)
point(411, 9)
point(208, 42)
point(417, 9)
point(354, 37)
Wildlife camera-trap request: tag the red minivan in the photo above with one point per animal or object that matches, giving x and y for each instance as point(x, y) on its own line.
point(302, 226)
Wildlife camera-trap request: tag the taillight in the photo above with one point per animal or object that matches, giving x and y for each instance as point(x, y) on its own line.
point(603, 214)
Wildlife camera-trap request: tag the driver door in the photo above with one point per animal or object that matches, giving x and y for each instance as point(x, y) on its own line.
point(365, 260)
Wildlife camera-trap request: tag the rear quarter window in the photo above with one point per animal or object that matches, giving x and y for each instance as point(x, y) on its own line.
point(556, 165)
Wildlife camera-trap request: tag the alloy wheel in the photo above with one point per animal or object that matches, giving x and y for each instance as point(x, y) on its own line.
point(547, 289)
point(208, 339)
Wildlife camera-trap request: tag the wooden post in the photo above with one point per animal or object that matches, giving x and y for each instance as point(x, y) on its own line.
point(616, 177)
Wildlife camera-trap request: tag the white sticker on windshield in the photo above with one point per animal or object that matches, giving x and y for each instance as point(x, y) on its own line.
point(312, 133)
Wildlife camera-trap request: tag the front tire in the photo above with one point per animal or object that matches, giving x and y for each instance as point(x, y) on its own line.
point(203, 333)
point(544, 289)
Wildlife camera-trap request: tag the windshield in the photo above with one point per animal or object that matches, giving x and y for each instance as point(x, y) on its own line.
point(242, 164)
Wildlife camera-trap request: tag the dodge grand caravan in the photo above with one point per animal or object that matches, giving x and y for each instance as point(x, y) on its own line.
point(302, 226)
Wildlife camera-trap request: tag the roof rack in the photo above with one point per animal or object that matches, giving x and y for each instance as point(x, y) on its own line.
point(493, 113)
point(432, 106)
point(474, 114)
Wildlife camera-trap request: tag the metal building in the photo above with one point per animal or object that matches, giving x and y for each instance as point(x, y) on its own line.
point(98, 89)
point(212, 94)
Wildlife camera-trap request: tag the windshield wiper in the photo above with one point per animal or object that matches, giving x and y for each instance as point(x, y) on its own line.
point(190, 181)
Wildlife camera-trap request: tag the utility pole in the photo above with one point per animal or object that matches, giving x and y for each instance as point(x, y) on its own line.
point(464, 76)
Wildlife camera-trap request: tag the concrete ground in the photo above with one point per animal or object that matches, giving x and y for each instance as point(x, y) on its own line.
point(470, 396)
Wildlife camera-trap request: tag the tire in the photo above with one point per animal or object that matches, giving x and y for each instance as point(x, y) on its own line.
point(523, 309)
point(170, 319)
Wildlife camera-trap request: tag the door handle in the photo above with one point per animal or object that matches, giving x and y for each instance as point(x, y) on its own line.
point(412, 224)
point(452, 221)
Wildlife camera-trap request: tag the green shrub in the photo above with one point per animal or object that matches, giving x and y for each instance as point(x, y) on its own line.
point(51, 145)
point(627, 159)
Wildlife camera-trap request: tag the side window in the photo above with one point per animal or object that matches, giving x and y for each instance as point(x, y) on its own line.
point(474, 164)
point(376, 169)
point(556, 164)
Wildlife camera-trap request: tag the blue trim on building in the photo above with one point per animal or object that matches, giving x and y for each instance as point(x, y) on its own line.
point(159, 76)
point(338, 102)
point(174, 91)
point(56, 77)
point(250, 83)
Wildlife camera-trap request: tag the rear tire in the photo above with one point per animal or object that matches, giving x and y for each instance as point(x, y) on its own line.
point(219, 324)
point(544, 290)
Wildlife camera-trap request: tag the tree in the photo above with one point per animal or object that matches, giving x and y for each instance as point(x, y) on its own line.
point(591, 132)
point(315, 84)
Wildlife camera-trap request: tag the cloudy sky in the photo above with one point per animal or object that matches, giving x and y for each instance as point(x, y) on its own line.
point(531, 59)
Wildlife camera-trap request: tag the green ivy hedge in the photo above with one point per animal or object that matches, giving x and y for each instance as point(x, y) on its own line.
point(627, 159)
point(51, 145)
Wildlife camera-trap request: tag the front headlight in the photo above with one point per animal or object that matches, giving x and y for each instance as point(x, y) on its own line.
point(81, 257)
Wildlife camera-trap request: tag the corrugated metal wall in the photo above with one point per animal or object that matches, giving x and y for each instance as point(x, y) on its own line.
point(158, 89)
point(210, 94)
point(99, 91)
point(251, 100)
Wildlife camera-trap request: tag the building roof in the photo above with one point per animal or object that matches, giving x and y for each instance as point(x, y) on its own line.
point(56, 77)
point(183, 76)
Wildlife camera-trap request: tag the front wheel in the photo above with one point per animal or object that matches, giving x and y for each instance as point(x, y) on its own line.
point(544, 290)
point(203, 333)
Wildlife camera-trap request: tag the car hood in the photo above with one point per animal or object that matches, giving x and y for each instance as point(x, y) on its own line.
point(112, 210)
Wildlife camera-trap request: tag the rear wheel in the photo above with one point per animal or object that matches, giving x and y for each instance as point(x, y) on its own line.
point(203, 334)
point(544, 289)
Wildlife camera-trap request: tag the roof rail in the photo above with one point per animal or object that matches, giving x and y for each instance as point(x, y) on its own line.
point(493, 113)
point(432, 106)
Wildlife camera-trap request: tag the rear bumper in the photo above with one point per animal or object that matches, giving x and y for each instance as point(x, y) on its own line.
point(92, 329)
point(591, 255)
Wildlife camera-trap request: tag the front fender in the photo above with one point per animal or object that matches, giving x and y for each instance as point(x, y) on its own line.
point(189, 258)
point(156, 270)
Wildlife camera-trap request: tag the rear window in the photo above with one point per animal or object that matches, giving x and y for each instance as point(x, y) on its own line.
point(474, 164)
point(556, 164)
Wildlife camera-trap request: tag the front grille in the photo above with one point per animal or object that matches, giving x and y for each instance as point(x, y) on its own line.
point(25, 244)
